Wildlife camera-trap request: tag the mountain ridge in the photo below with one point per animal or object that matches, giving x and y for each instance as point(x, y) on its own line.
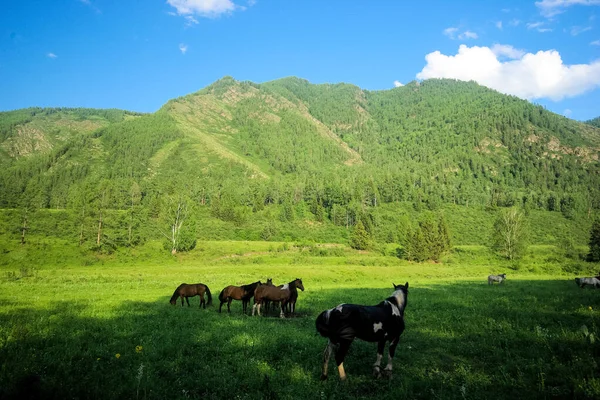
point(241, 147)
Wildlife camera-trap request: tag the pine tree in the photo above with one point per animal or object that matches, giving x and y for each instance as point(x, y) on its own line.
point(594, 254)
point(360, 239)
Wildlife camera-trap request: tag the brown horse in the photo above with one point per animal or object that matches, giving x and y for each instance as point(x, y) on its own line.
point(269, 303)
point(281, 293)
point(243, 293)
point(190, 290)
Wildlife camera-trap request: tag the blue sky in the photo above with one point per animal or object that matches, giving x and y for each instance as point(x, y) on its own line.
point(136, 55)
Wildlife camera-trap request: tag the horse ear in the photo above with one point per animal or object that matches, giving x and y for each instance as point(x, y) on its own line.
point(406, 285)
point(395, 287)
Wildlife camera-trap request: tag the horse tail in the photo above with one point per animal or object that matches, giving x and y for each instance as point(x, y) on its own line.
point(322, 324)
point(209, 301)
point(222, 296)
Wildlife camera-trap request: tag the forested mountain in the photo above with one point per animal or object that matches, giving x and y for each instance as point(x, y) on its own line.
point(333, 153)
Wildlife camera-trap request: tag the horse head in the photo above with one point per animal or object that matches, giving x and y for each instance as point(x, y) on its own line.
point(269, 282)
point(299, 284)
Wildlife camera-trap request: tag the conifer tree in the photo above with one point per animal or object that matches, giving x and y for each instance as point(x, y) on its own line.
point(360, 239)
point(594, 254)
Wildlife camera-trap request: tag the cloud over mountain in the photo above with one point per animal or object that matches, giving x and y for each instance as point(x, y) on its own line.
point(526, 75)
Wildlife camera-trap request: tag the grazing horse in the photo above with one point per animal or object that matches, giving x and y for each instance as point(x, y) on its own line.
point(281, 293)
point(592, 281)
point(190, 290)
point(243, 293)
point(381, 323)
point(496, 278)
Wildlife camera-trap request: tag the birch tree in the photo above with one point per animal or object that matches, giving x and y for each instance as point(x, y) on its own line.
point(509, 236)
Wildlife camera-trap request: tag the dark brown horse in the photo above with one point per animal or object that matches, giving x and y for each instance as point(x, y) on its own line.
point(281, 293)
point(190, 290)
point(243, 293)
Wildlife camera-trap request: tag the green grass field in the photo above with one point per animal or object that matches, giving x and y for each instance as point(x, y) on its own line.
point(80, 326)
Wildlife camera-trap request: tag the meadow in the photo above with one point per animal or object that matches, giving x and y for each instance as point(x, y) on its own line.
point(75, 325)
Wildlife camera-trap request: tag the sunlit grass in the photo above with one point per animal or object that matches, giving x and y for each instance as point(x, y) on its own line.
point(63, 327)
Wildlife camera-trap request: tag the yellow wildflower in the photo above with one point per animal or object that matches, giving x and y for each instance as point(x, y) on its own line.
point(590, 308)
point(138, 349)
point(118, 355)
point(98, 359)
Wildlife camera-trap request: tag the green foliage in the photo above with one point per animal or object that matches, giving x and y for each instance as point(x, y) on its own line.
point(594, 243)
point(594, 122)
point(510, 234)
point(360, 238)
point(427, 241)
point(247, 153)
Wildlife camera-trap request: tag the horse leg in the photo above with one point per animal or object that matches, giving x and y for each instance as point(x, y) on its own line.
point(181, 300)
point(340, 354)
point(326, 355)
point(377, 365)
point(229, 304)
point(391, 352)
point(220, 305)
point(282, 312)
point(202, 301)
point(254, 307)
point(187, 300)
point(244, 306)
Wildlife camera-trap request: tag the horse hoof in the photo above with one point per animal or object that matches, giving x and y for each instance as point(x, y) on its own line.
point(376, 373)
point(323, 377)
point(387, 373)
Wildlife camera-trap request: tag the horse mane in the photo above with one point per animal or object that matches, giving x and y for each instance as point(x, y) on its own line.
point(250, 286)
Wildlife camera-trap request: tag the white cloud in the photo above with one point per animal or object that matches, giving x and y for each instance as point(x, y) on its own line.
point(183, 48)
point(468, 35)
point(595, 43)
point(190, 20)
point(534, 25)
point(530, 76)
point(514, 22)
point(51, 55)
point(499, 25)
point(567, 113)
point(450, 32)
point(506, 50)
point(550, 8)
point(89, 4)
point(538, 26)
point(398, 84)
point(576, 30)
point(506, 10)
point(203, 8)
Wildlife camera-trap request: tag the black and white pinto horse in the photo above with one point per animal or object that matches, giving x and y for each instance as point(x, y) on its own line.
point(381, 323)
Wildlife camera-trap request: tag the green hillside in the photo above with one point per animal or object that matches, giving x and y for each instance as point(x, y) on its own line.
point(289, 160)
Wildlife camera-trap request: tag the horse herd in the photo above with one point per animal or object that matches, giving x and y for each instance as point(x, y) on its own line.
point(342, 324)
point(380, 323)
point(264, 294)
